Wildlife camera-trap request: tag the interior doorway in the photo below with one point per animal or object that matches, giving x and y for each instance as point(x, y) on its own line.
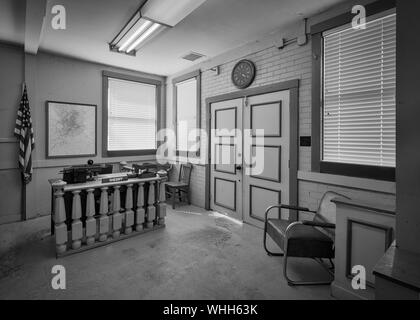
point(245, 186)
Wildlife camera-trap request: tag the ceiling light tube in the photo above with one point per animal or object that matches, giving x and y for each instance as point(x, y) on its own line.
point(143, 26)
point(144, 36)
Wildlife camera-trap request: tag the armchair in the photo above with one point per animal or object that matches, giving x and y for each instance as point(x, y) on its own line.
point(306, 238)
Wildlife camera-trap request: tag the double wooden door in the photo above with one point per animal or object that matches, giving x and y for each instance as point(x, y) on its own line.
point(250, 167)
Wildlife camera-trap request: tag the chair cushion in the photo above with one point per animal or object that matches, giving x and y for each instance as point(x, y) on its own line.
point(176, 185)
point(304, 241)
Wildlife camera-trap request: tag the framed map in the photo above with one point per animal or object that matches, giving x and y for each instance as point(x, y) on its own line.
point(71, 130)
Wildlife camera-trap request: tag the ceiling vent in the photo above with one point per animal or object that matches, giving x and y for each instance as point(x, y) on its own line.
point(193, 56)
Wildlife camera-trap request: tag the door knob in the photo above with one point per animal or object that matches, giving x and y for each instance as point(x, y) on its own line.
point(239, 168)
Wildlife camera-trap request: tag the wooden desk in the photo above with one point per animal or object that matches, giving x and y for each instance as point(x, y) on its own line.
point(92, 214)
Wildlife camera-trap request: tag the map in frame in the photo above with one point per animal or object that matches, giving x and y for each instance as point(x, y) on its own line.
point(71, 130)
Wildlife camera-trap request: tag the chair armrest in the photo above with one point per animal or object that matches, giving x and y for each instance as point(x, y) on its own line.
point(285, 206)
point(319, 224)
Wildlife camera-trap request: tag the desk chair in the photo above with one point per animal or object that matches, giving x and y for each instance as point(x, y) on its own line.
point(181, 188)
point(305, 239)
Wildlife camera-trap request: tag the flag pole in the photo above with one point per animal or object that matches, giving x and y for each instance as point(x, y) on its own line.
point(24, 217)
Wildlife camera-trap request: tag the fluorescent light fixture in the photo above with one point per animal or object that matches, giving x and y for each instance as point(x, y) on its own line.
point(143, 26)
point(144, 36)
point(153, 17)
point(170, 12)
point(135, 33)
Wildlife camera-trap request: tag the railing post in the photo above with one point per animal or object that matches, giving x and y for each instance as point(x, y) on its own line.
point(104, 219)
point(116, 215)
point(129, 213)
point(162, 203)
point(76, 226)
point(60, 228)
point(140, 208)
point(90, 221)
point(151, 210)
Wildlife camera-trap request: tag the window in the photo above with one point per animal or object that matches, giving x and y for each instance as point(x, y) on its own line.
point(357, 99)
point(359, 94)
point(131, 116)
point(187, 111)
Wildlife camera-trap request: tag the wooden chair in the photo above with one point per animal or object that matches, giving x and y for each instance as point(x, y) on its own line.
point(305, 239)
point(182, 187)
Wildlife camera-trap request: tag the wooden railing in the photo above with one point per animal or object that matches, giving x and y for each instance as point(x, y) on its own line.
point(103, 219)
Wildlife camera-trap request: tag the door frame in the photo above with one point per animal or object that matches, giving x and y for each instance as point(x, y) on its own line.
point(293, 87)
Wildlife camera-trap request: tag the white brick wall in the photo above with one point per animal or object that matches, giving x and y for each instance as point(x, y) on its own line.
point(273, 66)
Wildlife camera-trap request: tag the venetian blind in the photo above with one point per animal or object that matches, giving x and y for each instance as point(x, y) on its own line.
point(131, 115)
point(186, 107)
point(359, 114)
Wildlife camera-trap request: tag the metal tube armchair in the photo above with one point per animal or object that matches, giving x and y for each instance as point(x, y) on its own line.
point(305, 239)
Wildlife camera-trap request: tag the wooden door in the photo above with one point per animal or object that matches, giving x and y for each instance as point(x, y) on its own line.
point(226, 158)
point(266, 180)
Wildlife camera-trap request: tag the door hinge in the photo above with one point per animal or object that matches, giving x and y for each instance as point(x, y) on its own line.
point(246, 102)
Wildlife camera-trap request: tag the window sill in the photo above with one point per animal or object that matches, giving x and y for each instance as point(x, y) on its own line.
point(380, 186)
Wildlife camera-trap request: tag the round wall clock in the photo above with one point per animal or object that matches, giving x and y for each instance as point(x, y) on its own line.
point(243, 74)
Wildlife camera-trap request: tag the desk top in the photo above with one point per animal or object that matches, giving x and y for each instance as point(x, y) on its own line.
point(400, 266)
point(58, 183)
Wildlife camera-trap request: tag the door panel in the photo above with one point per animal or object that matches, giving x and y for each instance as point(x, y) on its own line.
point(226, 151)
point(270, 184)
point(225, 193)
point(226, 119)
point(260, 199)
point(266, 116)
point(272, 163)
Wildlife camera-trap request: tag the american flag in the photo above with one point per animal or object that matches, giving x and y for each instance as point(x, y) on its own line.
point(24, 132)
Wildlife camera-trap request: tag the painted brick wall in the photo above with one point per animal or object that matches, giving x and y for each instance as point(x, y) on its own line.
point(274, 65)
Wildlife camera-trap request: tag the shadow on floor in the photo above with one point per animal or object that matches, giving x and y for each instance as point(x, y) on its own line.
point(197, 256)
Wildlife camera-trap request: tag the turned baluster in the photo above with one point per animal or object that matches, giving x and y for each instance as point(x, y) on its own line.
point(129, 213)
point(140, 213)
point(76, 226)
point(90, 220)
point(116, 215)
point(151, 209)
point(162, 203)
point(104, 219)
point(60, 228)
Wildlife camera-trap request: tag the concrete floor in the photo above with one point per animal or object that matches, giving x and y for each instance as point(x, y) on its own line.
point(197, 256)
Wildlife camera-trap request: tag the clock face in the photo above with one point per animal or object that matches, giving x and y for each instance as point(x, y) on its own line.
point(243, 74)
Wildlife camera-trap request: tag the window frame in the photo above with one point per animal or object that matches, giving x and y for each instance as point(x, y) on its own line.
point(195, 74)
point(106, 75)
point(344, 169)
